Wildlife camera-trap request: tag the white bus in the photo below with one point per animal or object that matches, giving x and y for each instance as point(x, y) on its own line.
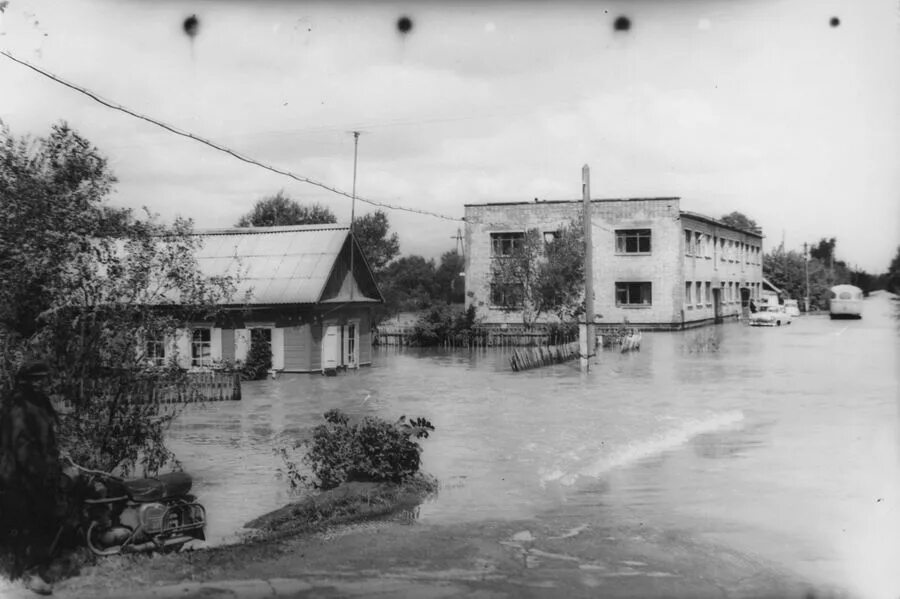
point(846, 302)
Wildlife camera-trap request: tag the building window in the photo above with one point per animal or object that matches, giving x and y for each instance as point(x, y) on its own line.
point(633, 294)
point(201, 347)
point(507, 295)
point(688, 243)
point(698, 294)
point(633, 241)
point(504, 244)
point(698, 244)
point(351, 344)
point(708, 288)
point(688, 302)
point(156, 351)
point(550, 236)
point(722, 255)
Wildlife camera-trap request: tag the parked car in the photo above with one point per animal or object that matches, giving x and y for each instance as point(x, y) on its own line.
point(771, 315)
point(791, 307)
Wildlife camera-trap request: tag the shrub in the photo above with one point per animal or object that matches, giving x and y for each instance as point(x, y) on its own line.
point(373, 450)
point(259, 358)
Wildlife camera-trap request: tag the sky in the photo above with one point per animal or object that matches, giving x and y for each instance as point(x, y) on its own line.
point(787, 111)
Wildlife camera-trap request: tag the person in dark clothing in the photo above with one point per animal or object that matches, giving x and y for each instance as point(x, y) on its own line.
point(31, 506)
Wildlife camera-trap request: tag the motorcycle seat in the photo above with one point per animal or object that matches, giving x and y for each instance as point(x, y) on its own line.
point(164, 486)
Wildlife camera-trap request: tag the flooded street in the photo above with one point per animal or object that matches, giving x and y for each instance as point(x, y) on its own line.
point(778, 442)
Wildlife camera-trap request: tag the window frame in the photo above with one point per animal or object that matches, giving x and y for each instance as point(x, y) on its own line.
point(637, 236)
point(198, 360)
point(518, 301)
point(627, 287)
point(155, 350)
point(498, 239)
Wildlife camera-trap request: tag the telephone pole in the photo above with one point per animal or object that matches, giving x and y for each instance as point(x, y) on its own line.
point(587, 337)
point(806, 265)
point(353, 209)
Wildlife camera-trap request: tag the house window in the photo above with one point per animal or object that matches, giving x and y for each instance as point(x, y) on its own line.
point(698, 293)
point(201, 347)
point(504, 244)
point(633, 294)
point(550, 236)
point(688, 288)
point(688, 243)
point(156, 351)
point(722, 255)
point(698, 244)
point(633, 241)
point(708, 288)
point(507, 294)
point(351, 344)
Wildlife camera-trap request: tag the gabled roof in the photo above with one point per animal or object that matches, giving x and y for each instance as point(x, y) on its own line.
point(288, 265)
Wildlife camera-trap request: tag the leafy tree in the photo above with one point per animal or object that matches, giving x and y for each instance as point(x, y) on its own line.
point(449, 278)
point(892, 277)
point(408, 284)
point(100, 289)
point(542, 277)
point(379, 247)
point(823, 251)
point(280, 210)
point(740, 221)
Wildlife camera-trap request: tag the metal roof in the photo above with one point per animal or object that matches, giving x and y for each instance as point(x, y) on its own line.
point(275, 265)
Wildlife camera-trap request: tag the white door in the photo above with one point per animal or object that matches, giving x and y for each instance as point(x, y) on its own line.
point(331, 348)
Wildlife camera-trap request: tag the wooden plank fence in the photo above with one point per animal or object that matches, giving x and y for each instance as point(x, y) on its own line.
point(534, 357)
point(476, 338)
point(201, 386)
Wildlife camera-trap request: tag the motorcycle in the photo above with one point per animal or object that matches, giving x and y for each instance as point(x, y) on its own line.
point(141, 515)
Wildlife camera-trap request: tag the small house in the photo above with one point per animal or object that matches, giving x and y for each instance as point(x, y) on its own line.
point(305, 290)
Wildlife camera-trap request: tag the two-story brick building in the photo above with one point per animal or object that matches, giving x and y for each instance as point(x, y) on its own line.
point(654, 265)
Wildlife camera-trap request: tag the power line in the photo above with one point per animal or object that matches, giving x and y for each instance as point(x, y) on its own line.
point(172, 129)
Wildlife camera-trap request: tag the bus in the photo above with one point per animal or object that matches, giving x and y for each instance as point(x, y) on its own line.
point(846, 302)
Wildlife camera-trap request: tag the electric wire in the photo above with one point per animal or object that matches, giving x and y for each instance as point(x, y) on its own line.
point(216, 146)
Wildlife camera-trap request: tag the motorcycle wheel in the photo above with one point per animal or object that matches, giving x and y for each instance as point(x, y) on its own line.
point(90, 534)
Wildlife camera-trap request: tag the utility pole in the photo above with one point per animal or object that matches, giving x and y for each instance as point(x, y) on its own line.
point(806, 265)
point(587, 336)
point(353, 209)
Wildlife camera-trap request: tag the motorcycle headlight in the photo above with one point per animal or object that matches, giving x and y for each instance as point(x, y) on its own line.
point(152, 517)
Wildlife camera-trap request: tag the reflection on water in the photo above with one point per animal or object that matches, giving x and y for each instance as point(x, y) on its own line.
point(780, 441)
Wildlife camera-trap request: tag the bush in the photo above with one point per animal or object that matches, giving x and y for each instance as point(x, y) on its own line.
point(259, 358)
point(443, 324)
point(373, 450)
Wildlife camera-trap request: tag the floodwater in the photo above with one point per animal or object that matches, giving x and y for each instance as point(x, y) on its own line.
point(779, 442)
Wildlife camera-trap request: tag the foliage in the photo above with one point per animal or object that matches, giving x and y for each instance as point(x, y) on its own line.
point(540, 277)
point(281, 210)
point(443, 323)
point(98, 284)
point(373, 450)
point(892, 277)
point(450, 284)
point(259, 356)
point(408, 284)
point(379, 248)
point(824, 250)
point(739, 220)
